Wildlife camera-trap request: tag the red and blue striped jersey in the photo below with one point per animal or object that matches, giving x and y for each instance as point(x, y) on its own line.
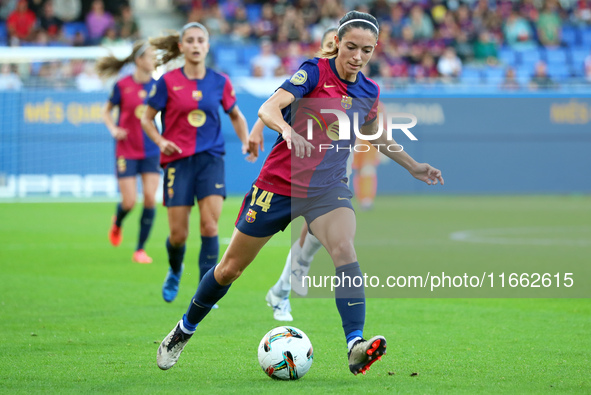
point(130, 96)
point(190, 111)
point(316, 86)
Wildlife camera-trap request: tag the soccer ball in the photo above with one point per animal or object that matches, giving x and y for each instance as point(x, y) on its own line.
point(285, 353)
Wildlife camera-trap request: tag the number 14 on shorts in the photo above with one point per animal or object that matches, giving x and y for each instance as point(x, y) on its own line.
point(263, 200)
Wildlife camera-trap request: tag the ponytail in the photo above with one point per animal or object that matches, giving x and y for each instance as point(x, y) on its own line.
point(110, 65)
point(169, 45)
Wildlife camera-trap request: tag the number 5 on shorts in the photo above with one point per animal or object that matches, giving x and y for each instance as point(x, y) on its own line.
point(170, 176)
point(264, 200)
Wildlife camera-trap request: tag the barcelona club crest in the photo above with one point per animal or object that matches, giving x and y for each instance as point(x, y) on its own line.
point(121, 164)
point(170, 193)
point(197, 95)
point(251, 216)
point(346, 102)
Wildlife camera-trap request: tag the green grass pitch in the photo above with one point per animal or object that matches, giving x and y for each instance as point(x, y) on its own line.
point(77, 316)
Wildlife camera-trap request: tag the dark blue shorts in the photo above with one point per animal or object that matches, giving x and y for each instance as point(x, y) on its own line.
point(133, 167)
point(193, 178)
point(264, 213)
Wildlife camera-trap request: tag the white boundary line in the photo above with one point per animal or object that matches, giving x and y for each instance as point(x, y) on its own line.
point(507, 236)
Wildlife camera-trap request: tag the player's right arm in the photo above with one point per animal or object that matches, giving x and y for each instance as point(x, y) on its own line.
point(270, 114)
point(167, 147)
point(256, 139)
point(157, 102)
point(115, 100)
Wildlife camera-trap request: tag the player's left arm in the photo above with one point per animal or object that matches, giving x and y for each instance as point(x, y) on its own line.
point(421, 171)
point(241, 128)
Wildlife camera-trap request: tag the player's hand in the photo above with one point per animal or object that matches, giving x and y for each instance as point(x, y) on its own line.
point(251, 156)
point(297, 143)
point(255, 141)
point(167, 147)
point(119, 133)
point(427, 173)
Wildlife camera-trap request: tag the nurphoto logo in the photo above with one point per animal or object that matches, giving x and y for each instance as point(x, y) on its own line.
point(341, 129)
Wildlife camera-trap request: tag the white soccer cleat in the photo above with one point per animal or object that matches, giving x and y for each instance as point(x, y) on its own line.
point(365, 352)
point(298, 271)
point(281, 306)
point(171, 347)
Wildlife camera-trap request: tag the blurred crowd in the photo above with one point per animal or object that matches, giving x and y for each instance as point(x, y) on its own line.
point(420, 40)
point(67, 22)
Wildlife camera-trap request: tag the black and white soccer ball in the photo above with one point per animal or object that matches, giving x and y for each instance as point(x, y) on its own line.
point(285, 353)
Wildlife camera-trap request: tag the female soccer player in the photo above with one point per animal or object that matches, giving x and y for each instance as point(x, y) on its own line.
point(299, 178)
point(135, 154)
point(192, 145)
point(303, 250)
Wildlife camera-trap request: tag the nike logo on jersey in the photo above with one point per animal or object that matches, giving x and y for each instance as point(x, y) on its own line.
point(329, 86)
point(353, 304)
point(177, 88)
point(218, 186)
point(340, 198)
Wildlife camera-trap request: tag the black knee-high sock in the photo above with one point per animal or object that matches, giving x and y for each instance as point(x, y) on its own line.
point(120, 215)
point(175, 255)
point(208, 293)
point(208, 256)
point(145, 226)
point(350, 299)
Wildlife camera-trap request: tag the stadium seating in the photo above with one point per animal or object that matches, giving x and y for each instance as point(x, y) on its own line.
point(3, 34)
point(72, 28)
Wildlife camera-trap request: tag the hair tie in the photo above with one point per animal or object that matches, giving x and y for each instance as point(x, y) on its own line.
point(141, 51)
point(359, 20)
point(190, 25)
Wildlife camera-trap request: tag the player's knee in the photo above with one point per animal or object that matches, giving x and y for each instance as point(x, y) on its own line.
point(149, 201)
point(128, 203)
point(178, 237)
point(209, 228)
point(226, 272)
point(343, 251)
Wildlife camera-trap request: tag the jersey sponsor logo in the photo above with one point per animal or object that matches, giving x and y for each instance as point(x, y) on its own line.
point(251, 216)
point(299, 77)
point(139, 111)
point(329, 86)
point(127, 90)
point(347, 102)
point(177, 88)
point(196, 118)
point(219, 186)
point(333, 131)
point(142, 94)
point(121, 164)
point(197, 95)
point(153, 91)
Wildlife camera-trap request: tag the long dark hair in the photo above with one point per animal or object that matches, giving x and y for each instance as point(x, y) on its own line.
point(110, 65)
point(353, 19)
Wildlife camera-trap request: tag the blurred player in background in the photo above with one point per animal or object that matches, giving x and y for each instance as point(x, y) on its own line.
point(365, 179)
point(192, 145)
point(135, 153)
point(289, 186)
